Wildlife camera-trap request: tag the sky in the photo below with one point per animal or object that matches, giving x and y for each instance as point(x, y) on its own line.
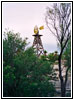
point(22, 17)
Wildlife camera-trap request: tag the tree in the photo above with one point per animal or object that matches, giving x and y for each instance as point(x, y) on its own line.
point(53, 57)
point(12, 45)
point(58, 21)
point(34, 72)
point(8, 81)
point(28, 76)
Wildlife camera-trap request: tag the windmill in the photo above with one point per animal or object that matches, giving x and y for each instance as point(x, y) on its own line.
point(37, 43)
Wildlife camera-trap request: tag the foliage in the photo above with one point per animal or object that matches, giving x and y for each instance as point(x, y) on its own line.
point(53, 57)
point(45, 51)
point(12, 44)
point(68, 95)
point(24, 74)
point(8, 81)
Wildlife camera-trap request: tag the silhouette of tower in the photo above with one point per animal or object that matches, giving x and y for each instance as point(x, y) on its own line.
point(37, 43)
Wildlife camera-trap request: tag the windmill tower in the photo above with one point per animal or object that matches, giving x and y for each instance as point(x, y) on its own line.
point(37, 43)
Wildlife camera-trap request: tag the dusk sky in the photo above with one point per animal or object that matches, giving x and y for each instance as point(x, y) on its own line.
point(22, 17)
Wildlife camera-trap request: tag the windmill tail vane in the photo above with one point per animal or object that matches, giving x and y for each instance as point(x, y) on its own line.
point(41, 27)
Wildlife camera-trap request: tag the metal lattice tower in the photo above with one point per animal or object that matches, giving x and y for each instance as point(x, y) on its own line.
point(37, 44)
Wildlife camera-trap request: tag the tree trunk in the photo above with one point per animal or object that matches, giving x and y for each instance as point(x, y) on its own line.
point(63, 86)
point(63, 89)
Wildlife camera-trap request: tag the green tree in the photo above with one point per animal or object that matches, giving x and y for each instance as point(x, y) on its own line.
point(35, 73)
point(8, 81)
point(12, 44)
point(53, 57)
point(28, 76)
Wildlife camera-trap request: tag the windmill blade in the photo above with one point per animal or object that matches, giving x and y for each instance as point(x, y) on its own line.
point(41, 27)
point(36, 29)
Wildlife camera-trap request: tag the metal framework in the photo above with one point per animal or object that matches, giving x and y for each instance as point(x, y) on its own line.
point(37, 44)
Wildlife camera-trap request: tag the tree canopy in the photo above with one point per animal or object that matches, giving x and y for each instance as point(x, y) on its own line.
point(24, 74)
